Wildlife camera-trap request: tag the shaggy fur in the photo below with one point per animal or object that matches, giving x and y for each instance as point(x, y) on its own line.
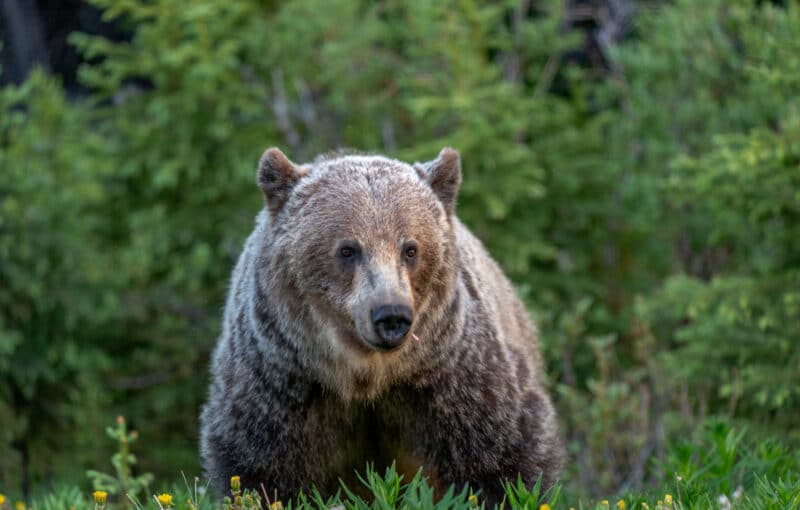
point(301, 396)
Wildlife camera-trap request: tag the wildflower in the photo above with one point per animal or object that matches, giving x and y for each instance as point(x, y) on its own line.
point(236, 483)
point(165, 499)
point(668, 499)
point(544, 506)
point(621, 504)
point(2, 499)
point(604, 503)
point(100, 497)
point(645, 506)
point(473, 500)
point(19, 505)
point(276, 506)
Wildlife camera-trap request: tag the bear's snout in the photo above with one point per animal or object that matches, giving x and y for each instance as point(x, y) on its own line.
point(391, 323)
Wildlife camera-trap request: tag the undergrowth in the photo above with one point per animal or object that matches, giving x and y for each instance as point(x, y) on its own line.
point(718, 468)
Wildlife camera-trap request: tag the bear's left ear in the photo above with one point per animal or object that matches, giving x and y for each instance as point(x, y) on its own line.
point(443, 174)
point(277, 177)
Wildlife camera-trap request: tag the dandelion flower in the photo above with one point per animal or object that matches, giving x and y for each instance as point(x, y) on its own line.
point(100, 497)
point(276, 506)
point(236, 483)
point(668, 499)
point(604, 503)
point(165, 499)
point(544, 506)
point(2, 499)
point(621, 504)
point(473, 499)
point(19, 505)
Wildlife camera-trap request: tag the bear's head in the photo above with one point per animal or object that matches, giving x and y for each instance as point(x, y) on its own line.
point(366, 242)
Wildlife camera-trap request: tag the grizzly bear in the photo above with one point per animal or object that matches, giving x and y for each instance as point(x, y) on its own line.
point(366, 324)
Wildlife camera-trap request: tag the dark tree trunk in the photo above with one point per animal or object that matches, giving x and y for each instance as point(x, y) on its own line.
point(23, 39)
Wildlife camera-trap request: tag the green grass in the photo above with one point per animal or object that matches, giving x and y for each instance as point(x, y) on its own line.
point(718, 468)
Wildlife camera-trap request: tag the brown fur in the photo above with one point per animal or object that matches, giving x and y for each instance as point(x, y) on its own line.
point(301, 396)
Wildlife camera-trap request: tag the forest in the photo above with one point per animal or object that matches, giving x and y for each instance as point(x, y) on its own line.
point(634, 167)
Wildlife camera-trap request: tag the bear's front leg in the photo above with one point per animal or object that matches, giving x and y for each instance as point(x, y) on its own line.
point(266, 435)
point(482, 431)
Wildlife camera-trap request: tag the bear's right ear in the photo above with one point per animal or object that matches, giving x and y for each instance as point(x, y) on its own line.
point(276, 177)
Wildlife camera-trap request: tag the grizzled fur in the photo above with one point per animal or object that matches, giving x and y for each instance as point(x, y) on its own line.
point(300, 394)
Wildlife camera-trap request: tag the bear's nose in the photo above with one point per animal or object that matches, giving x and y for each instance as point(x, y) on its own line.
point(391, 323)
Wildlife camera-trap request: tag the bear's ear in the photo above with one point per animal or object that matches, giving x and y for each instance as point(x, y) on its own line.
point(443, 174)
point(276, 177)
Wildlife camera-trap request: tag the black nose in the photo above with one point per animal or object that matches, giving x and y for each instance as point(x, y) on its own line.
point(391, 323)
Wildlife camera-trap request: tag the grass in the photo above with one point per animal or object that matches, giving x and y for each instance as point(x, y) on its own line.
point(720, 468)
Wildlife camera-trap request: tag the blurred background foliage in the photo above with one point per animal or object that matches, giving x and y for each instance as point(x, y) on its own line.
point(638, 178)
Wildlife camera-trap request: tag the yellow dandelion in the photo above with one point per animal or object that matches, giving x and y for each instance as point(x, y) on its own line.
point(544, 506)
point(100, 497)
point(276, 506)
point(236, 483)
point(668, 499)
point(621, 504)
point(19, 505)
point(165, 499)
point(2, 499)
point(604, 503)
point(645, 506)
point(473, 499)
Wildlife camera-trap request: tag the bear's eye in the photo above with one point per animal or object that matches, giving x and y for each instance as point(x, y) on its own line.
point(411, 252)
point(346, 252)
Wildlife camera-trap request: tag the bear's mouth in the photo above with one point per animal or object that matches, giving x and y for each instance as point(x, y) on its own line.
point(383, 346)
point(375, 344)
